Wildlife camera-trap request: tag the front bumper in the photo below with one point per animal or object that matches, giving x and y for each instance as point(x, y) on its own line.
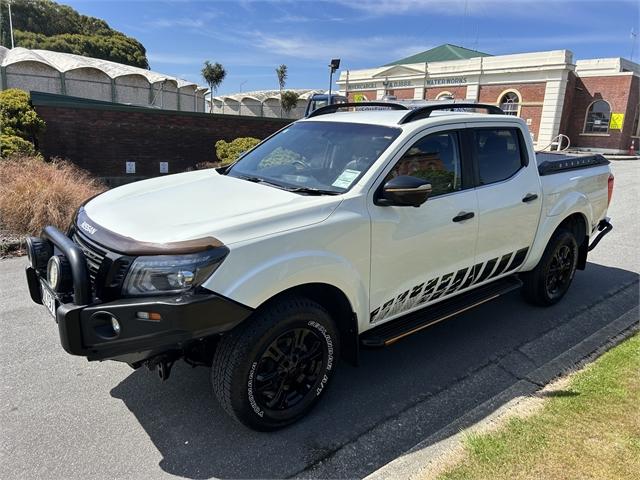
point(83, 324)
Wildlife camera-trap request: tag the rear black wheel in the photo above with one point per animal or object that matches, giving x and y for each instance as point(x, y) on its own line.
point(273, 369)
point(549, 281)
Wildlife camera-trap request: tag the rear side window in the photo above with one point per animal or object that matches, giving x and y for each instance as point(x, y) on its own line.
point(498, 152)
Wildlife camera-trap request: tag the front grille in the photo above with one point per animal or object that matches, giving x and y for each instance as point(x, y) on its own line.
point(94, 255)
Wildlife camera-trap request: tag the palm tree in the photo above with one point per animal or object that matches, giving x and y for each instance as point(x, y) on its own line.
point(213, 74)
point(281, 72)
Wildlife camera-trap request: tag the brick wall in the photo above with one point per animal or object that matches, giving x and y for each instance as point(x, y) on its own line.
point(370, 94)
point(568, 103)
point(530, 92)
point(459, 93)
point(402, 93)
point(621, 91)
point(102, 138)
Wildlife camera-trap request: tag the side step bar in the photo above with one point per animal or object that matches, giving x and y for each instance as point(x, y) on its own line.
point(395, 330)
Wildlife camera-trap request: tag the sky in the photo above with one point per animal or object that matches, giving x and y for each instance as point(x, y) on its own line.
point(252, 37)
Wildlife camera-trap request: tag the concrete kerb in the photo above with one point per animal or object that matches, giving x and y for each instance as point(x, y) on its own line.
point(440, 449)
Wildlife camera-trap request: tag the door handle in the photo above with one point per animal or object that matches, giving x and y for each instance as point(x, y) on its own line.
point(463, 216)
point(529, 197)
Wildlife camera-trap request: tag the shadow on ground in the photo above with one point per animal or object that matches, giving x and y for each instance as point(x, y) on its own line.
point(197, 440)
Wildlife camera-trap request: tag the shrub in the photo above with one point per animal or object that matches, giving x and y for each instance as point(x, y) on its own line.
point(35, 193)
point(10, 144)
point(228, 152)
point(18, 119)
point(280, 156)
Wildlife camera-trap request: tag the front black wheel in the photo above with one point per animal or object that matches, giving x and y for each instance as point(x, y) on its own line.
point(272, 370)
point(549, 281)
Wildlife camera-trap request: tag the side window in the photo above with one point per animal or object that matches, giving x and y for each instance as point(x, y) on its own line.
point(498, 153)
point(435, 158)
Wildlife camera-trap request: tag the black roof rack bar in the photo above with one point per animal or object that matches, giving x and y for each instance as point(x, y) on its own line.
point(424, 112)
point(334, 107)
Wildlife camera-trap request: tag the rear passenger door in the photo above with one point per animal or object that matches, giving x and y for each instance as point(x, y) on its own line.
point(509, 198)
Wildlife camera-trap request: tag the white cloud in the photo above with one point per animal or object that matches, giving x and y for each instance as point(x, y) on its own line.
point(175, 23)
point(321, 49)
point(550, 9)
point(173, 59)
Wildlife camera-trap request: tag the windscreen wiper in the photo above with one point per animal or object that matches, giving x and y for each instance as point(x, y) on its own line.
point(249, 178)
point(313, 191)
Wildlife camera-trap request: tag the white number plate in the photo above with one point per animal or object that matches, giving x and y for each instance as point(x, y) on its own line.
point(48, 299)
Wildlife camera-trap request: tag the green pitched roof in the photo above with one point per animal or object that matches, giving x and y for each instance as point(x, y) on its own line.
point(443, 53)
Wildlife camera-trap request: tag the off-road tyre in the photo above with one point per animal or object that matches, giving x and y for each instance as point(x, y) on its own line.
point(292, 329)
point(559, 260)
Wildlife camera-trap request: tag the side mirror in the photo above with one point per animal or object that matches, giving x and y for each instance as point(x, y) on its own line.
point(404, 191)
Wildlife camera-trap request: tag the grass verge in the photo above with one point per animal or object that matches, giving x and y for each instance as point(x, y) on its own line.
point(588, 429)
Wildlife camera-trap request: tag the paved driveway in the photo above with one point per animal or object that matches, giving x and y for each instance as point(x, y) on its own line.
point(62, 417)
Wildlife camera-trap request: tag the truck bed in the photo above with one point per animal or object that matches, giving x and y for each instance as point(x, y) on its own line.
point(556, 162)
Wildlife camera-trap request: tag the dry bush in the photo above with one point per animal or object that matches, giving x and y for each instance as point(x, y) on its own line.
point(35, 193)
point(205, 165)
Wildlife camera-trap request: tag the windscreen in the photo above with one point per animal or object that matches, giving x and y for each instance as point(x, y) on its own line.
point(326, 156)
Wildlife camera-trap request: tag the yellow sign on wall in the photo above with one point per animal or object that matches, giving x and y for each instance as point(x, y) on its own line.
point(617, 119)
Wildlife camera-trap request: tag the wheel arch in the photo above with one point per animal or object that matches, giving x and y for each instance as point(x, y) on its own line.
point(336, 302)
point(577, 222)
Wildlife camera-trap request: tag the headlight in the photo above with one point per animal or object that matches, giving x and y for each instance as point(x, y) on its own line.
point(163, 274)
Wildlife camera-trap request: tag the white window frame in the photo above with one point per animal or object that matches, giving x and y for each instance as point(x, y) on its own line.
point(515, 112)
point(586, 115)
point(444, 94)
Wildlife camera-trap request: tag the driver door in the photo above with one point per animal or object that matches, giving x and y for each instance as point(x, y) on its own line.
point(421, 255)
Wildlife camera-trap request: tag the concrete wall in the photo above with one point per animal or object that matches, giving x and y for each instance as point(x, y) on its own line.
point(88, 83)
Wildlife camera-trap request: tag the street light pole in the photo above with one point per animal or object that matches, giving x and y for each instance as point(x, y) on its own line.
point(10, 24)
point(333, 66)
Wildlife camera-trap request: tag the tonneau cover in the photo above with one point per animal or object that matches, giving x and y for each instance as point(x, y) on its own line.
point(554, 162)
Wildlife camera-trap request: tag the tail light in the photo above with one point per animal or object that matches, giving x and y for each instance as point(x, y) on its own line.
point(610, 189)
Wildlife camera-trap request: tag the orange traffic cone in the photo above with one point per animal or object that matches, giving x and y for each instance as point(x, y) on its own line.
point(632, 148)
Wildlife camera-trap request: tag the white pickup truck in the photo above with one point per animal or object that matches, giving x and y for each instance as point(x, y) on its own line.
point(345, 229)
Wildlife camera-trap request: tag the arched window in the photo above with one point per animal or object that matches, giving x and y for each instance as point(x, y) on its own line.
point(598, 116)
point(510, 103)
point(445, 96)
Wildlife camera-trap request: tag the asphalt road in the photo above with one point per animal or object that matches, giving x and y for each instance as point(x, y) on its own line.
point(62, 417)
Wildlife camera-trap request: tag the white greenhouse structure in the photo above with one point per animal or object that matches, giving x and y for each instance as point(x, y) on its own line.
point(85, 77)
point(261, 103)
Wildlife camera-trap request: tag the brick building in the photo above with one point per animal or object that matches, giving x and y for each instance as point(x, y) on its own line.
point(594, 102)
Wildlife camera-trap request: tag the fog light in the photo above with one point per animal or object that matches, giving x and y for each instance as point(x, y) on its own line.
point(115, 325)
point(59, 273)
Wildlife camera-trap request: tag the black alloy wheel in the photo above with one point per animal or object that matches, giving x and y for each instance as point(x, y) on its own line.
point(288, 369)
point(548, 282)
point(272, 369)
point(560, 270)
